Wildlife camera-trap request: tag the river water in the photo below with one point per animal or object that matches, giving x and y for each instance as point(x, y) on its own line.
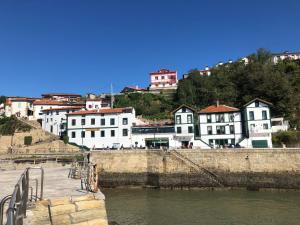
point(198, 207)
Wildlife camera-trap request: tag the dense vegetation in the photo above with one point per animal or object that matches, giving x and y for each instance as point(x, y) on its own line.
point(146, 104)
point(2, 99)
point(9, 125)
point(236, 83)
point(288, 138)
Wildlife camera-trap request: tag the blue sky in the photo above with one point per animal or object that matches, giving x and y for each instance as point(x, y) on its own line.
point(84, 46)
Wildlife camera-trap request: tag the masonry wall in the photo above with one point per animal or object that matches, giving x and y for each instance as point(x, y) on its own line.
point(255, 168)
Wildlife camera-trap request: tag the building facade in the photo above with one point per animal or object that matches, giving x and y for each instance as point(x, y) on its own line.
point(163, 79)
point(257, 124)
point(102, 128)
point(220, 125)
point(19, 107)
point(54, 120)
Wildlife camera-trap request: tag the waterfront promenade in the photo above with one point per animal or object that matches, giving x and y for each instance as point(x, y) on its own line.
point(68, 203)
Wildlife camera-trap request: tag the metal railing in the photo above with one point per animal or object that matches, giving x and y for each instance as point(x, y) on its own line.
point(87, 173)
point(19, 200)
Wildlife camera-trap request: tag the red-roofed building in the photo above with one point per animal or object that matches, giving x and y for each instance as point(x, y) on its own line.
point(62, 96)
point(163, 79)
point(54, 120)
point(220, 125)
point(101, 128)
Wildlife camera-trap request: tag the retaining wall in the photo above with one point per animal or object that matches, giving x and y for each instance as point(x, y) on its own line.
point(255, 168)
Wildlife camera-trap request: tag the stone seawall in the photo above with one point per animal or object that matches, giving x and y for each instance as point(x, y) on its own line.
point(252, 168)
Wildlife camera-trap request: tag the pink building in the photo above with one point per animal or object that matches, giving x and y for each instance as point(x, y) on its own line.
point(163, 79)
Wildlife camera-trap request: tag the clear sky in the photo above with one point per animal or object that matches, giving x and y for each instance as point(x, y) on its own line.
point(82, 46)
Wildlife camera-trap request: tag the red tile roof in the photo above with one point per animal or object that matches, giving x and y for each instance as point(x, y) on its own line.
point(162, 71)
point(64, 108)
point(218, 109)
point(49, 102)
point(62, 94)
point(99, 111)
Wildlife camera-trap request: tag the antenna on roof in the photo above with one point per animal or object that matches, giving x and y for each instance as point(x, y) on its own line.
point(111, 96)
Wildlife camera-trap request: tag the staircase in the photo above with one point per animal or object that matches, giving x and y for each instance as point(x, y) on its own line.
point(198, 168)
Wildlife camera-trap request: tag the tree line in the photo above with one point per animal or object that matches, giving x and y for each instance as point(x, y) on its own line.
point(236, 83)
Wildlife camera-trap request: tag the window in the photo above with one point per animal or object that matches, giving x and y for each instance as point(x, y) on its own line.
point(156, 78)
point(178, 119)
point(68, 111)
point(208, 118)
point(178, 130)
point(162, 77)
point(112, 133)
point(47, 113)
point(102, 133)
point(252, 127)
point(83, 134)
point(251, 115)
point(191, 130)
point(93, 121)
point(73, 122)
point(264, 115)
point(51, 129)
point(47, 120)
point(189, 119)
point(231, 129)
point(112, 121)
point(92, 133)
point(61, 126)
point(82, 121)
point(256, 104)
point(57, 113)
point(125, 132)
point(220, 118)
point(231, 117)
point(73, 134)
point(211, 142)
point(209, 129)
point(125, 121)
point(184, 110)
point(265, 126)
point(102, 122)
point(220, 129)
point(90, 106)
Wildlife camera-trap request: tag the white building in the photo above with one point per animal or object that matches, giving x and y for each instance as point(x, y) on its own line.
point(285, 55)
point(279, 124)
point(62, 97)
point(101, 128)
point(19, 107)
point(187, 128)
point(220, 125)
point(55, 119)
point(96, 103)
point(42, 104)
point(257, 124)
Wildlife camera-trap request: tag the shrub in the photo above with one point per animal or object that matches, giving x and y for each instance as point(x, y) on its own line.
point(66, 139)
point(27, 140)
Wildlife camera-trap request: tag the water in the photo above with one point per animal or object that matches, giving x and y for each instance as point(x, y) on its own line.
point(198, 207)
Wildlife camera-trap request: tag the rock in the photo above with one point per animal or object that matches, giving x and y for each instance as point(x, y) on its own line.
point(62, 209)
point(92, 204)
point(59, 201)
point(86, 215)
point(61, 220)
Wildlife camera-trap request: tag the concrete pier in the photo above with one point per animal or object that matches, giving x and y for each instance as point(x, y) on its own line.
point(68, 203)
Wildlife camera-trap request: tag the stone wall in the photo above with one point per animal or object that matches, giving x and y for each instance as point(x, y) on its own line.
point(269, 168)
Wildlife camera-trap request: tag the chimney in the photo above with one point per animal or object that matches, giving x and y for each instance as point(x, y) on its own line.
point(217, 102)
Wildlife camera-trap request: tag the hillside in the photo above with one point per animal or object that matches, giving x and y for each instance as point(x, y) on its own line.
point(236, 83)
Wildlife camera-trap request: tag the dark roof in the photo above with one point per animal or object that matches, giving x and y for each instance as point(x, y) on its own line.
point(257, 99)
point(186, 106)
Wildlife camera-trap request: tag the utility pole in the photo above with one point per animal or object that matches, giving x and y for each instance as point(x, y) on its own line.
point(111, 96)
